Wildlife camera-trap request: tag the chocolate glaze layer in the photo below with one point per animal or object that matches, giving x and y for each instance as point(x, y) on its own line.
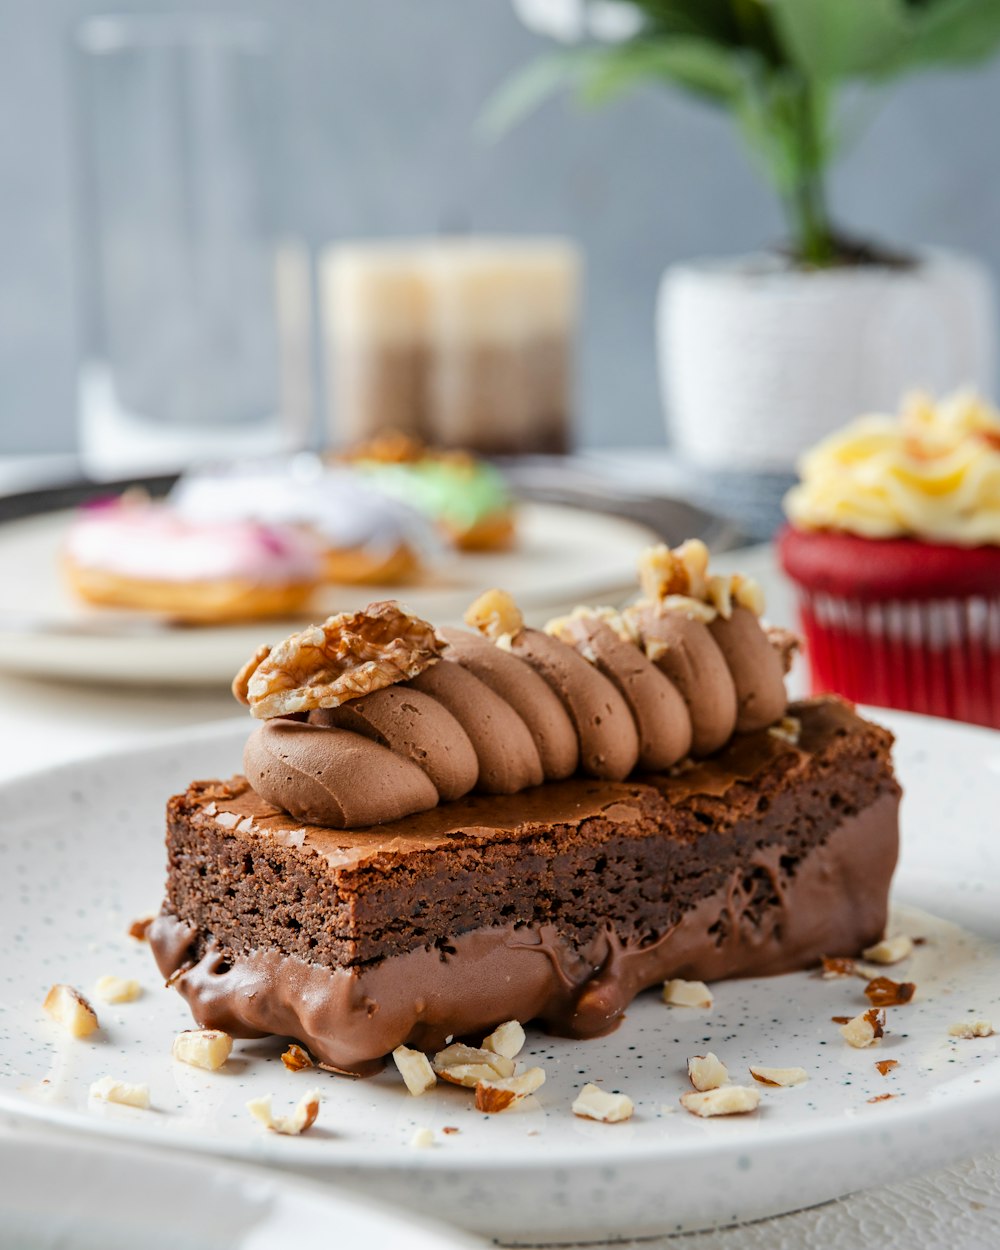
point(835, 900)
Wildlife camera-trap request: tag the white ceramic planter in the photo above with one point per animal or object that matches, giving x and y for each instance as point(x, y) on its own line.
point(759, 360)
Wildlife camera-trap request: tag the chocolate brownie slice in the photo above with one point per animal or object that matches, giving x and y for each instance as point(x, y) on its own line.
point(559, 903)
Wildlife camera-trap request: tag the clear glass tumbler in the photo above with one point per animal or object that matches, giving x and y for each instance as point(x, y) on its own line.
point(193, 309)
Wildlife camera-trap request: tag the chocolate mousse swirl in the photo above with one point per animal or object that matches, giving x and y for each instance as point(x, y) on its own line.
point(374, 716)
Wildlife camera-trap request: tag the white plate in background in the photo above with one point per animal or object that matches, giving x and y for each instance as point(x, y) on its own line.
point(56, 1196)
point(81, 854)
point(563, 556)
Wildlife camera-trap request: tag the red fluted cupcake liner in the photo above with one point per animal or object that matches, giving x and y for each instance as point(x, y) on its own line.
point(936, 656)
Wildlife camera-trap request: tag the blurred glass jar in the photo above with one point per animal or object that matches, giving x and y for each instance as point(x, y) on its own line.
point(195, 314)
point(461, 342)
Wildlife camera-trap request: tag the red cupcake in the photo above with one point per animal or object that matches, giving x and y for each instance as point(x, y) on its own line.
point(894, 546)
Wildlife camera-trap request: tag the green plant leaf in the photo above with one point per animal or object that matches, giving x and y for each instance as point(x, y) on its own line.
point(952, 32)
point(522, 94)
point(712, 72)
point(836, 39)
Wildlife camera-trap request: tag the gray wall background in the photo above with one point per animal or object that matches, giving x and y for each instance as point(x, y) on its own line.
point(378, 101)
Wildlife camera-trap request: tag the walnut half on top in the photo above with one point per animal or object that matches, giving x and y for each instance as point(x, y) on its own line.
point(348, 656)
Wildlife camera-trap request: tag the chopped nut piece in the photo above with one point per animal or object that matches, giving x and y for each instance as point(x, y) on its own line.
point(788, 729)
point(296, 1059)
point(782, 1077)
point(450, 1128)
point(719, 594)
point(593, 1103)
point(503, 1092)
point(681, 571)
point(707, 1072)
point(971, 1028)
point(415, 1069)
point(117, 990)
point(865, 1029)
point(890, 950)
point(422, 1138)
point(885, 1066)
point(841, 1019)
point(727, 1100)
point(561, 626)
point(506, 1040)
point(348, 656)
point(303, 1116)
point(680, 993)
point(882, 1097)
point(467, 1065)
point(107, 1089)
point(202, 1048)
point(496, 615)
point(837, 966)
point(883, 992)
point(139, 928)
point(749, 594)
point(69, 1008)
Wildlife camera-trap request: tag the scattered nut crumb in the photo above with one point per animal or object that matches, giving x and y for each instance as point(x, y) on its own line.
point(707, 1071)
point(468, 1065)
point(882, 1097)
point(117, 990)
point(202, 1048)
point(107, 1089)
point(139, 928)
point(837, 966)
point(781, 1077)
point(69, 1008)
point(303, 1115)
point(499, 1094)
point(971, 1028)
point(885, 1066)
point(864, 1029)
point(506, 1039)
point(296, 1059)
point(884, 992)
point(727, 1100)
point(841, 1019)
point(890, 950)
point(594, 1104)
point(415, 1069)
point(788, 729)
point(422, 1138)
point(679, 993)
point(450, 1128)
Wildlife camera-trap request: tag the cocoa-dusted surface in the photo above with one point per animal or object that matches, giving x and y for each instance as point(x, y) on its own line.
point(581, 856)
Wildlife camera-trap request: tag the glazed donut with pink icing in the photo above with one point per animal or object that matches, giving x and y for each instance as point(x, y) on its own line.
point(137, 554)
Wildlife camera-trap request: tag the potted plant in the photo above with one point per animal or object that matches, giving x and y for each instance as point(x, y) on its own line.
point(762, 355)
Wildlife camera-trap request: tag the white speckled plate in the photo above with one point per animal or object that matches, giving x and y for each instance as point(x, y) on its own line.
point(563, 556)
point(81, 855)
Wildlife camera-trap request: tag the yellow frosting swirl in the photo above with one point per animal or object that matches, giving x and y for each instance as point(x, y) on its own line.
point(931, 472)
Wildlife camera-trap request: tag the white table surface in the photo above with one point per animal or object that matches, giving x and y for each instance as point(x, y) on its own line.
point(958, 1208)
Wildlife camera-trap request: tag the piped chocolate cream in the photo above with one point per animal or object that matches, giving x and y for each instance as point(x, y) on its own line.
point(511, 707)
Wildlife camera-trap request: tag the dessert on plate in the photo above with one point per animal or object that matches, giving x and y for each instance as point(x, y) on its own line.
point(441, 830)
point(894, 545)
point(130, 552)
point(366, 537)
point(466, 497)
